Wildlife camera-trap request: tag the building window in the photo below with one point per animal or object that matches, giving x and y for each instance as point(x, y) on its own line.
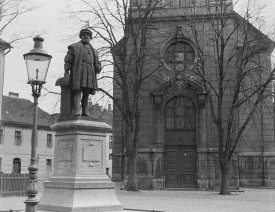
point(1, 136)
point(110, 156)
point(110, 142)
point(49, 140)
point(16, 165)
point(18, 138)
point(273, 90)
point(49, 165)
point(179, 56)
point(107, 172)
point(0, 165)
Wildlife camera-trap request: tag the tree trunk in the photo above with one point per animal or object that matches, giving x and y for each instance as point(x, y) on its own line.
point(225, 181)
point(132, 172)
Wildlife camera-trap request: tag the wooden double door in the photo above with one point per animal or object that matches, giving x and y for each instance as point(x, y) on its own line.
point(180, 143)
point(181, 167)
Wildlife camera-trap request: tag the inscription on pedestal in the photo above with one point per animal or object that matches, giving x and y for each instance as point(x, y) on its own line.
point(92, 154)
point(65, 154)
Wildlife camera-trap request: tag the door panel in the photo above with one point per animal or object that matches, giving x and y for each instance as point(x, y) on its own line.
point(172, 165)
point(188, 168)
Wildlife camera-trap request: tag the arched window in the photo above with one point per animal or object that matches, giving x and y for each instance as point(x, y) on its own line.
point(16, 166)
point(180, 114)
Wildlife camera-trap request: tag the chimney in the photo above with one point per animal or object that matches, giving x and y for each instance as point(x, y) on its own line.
point(13, 95)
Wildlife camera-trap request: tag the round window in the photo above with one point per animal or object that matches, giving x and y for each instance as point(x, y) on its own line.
point(179, 56)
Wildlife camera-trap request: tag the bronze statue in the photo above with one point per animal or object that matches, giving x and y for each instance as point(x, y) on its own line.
point(82, 66)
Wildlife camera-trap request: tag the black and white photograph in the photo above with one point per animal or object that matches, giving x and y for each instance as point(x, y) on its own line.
point(137, 106)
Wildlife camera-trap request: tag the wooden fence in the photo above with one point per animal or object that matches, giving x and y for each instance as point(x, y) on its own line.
point(13, 184)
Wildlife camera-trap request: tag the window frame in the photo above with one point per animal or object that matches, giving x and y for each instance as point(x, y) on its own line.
point(18, 137)
point(1, 136)
point(49, 142)
point(49, 163)
point(110, 142)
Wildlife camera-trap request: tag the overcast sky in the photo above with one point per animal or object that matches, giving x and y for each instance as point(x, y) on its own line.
point(50, 20)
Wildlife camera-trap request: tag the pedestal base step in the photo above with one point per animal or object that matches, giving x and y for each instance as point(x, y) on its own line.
point(79, 200)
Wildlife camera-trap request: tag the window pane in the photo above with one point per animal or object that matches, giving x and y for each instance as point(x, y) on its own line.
point(18, 138)
point(1, 136)
point(190, 119)
point(49, 140)
point(49, 164)
point(179, 122)
point(170, 112)
point(16, 168)
point(179, 111)
point(169, 123)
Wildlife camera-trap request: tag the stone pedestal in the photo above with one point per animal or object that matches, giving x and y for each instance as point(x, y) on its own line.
point(79, 182)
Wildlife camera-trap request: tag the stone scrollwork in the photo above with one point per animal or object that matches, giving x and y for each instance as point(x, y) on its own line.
point(157, 98)
point(65, 154)
point(92, 154)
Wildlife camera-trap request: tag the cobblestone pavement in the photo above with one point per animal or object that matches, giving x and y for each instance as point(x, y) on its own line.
point(250, 200)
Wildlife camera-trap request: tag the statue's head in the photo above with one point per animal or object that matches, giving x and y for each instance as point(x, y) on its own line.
point(85, 35)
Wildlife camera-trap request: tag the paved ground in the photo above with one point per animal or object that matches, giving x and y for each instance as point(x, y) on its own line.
point(250, 200)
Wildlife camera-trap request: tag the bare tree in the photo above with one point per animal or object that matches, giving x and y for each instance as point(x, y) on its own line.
point(234, 67)
point(10, 12)
point(121, 27)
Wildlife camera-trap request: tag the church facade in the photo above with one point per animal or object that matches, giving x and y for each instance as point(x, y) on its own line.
point(178, 139)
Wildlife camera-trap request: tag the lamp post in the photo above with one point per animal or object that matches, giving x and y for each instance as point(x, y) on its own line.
point(37, 62)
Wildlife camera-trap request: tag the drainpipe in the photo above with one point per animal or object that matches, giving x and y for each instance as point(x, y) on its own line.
point(3, 47)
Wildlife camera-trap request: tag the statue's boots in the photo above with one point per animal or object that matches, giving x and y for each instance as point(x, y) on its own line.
point(84, 103)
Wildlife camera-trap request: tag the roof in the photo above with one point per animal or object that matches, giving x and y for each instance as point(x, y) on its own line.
point(20, 111)
point(261, 36)
point(97, 111)
point(4, 45)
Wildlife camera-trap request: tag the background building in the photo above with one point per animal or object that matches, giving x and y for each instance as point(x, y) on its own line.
point(178, 139)
point(15, 137)
point(97, 111)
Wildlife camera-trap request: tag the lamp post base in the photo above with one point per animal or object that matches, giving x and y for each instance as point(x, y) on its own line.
point(31, 205)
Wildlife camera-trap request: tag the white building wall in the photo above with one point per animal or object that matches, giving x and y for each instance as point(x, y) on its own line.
point(9, 151)
point(108, 153)
point(2, 66)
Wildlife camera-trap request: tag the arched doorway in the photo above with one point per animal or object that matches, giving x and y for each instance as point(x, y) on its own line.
point(16, 166)
point(180, 143)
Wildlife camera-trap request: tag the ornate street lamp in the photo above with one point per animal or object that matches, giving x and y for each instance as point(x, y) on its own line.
point(37, 62)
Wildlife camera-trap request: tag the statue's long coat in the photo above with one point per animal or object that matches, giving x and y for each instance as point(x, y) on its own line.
point(73, 63)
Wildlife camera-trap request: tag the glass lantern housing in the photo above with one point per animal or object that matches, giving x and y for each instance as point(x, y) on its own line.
point(37, 62)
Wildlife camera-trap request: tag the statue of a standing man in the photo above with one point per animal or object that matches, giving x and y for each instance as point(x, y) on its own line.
point(82, 65)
